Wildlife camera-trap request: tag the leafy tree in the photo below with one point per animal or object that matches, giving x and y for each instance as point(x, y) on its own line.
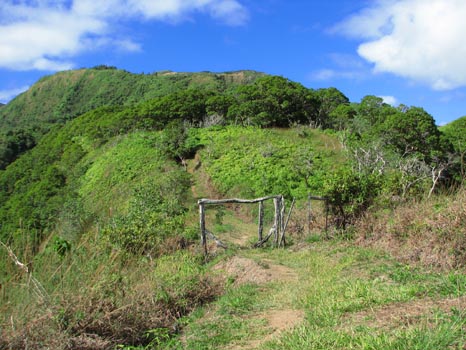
point(187, 105)
point(270, 101)
point(13, 144)
point(455, 133)
point(329, 99)
point(341, 117)
point(217, 106)
point(178, 142)
point(414, 133)
point(373, 111)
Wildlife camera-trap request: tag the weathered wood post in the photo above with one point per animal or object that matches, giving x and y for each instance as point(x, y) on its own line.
point(202, 226)
point(282, 220)
point(261, 221)
point(276, 219)
point(282, 239)
point(326, 217)
point(309, 215)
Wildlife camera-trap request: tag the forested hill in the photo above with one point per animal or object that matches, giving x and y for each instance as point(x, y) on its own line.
point(101, 171)
point(53, 130)
point(65, 95)
point(58, 98)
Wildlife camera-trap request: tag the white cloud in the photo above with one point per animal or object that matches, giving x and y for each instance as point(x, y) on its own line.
point(47, 34)
point(345, 67)
point(229, 11)
point(7, 95)
point(416, 39)
point(391, 100)
point(332, 74)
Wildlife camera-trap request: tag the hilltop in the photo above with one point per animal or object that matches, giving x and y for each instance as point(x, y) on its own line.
point(59, 98)
point(102, 170)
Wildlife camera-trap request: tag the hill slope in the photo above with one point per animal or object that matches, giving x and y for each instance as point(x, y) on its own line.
point(65, 95)
point(100, 222)
point(61, 97)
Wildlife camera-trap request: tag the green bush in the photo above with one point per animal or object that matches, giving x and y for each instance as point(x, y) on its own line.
point(349, 194)
point(155, 213)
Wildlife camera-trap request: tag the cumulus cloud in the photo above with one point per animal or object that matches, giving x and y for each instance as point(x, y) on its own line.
point(47, 34)
point(391, 100)
point(416, 39)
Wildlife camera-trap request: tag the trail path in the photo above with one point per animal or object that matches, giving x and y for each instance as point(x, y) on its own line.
point(310, 292)
point(244, 270)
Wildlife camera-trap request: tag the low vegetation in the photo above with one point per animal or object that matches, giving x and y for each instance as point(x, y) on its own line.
point(99, 220)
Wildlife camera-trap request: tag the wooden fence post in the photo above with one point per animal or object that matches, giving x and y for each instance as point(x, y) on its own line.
point(202, 226)
point(309, 215)
point(261, 221)
point(285, 225)
point(277, 222)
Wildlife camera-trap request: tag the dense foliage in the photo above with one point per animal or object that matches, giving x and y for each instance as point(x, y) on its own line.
point(63, 96)
point(100, 158)
point(399, 151)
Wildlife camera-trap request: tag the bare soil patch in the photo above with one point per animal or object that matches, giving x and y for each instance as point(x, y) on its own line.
point(244, 270)
point(278, 321)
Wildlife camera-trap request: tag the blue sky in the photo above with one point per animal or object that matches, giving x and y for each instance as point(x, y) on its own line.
point(407, 51)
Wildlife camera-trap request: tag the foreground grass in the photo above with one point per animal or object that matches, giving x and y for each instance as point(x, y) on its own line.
point(320, 295)
point(351, 298)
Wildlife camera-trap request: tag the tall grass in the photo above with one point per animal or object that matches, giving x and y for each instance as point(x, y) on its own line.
point(429, 232)
point(101, 296)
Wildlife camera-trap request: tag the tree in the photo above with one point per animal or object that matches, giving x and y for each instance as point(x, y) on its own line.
point(187, 105)
point(329, 99)
point(13, 144)
point(414, 133)
point(341, 117)
point(178, 143)
point(270, 101)
point(217, 108)
point(455, 133)
point(349, 193)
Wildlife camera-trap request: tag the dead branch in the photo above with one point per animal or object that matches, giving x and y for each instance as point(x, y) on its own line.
point(38, 289)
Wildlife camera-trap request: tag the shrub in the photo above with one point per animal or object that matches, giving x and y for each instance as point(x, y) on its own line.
point(349, 194)
point(155, 213)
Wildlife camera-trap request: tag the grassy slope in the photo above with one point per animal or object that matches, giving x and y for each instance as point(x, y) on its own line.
point(330, 294)
point(342, 297)
point(65, 95)
point(335, 294)
point(89, 283)
point(260, 162)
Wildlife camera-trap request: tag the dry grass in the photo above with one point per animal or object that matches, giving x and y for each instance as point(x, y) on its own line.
point(116, 302)
point(402, 314)
point(431, 232)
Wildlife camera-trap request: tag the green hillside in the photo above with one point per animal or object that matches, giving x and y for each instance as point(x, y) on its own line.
point(100, 223)
point(61, 97)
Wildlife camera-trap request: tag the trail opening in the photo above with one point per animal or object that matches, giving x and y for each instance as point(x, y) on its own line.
point(277, 230)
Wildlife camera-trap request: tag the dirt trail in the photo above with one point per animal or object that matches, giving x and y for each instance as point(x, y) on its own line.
point(202, 185)
point(278, 321)
point(244, 270)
